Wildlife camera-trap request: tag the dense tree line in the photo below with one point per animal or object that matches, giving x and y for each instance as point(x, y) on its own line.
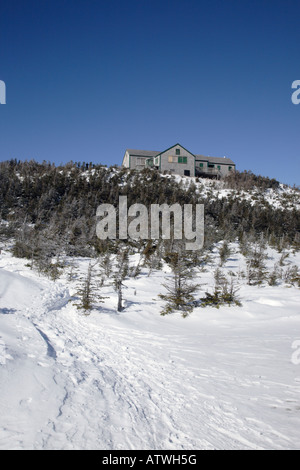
point(247, 180)
point(50, 208)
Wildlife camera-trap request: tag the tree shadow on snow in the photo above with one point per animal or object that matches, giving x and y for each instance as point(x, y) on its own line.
point(130, 303)
point(7, 311)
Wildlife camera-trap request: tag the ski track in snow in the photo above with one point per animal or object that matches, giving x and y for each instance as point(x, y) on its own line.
point(75, 382)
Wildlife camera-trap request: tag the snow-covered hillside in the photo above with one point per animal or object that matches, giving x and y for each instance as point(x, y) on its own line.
point(218, 379)
point(282, 197)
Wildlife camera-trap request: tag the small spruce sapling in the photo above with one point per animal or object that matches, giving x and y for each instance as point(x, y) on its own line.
point(179, 288)
point(88, 293)
point(121, 271)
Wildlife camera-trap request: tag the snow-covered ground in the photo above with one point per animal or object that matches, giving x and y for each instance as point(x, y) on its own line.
point(218, 379)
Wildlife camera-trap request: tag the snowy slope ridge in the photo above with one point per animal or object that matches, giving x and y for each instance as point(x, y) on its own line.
point(219, 379)
point(283, 197)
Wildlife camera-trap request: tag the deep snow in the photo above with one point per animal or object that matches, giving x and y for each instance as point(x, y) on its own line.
point(219, 379)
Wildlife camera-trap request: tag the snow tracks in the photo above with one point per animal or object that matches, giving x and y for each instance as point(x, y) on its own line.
point(136, 380)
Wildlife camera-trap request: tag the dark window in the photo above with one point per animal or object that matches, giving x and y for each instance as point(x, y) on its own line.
point(219, 167)
point(229, 168)
point(177, 151)
point(187, 173)
point(210, 165)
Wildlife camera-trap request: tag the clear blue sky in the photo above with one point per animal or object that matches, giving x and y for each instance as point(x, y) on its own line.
point(87, 79)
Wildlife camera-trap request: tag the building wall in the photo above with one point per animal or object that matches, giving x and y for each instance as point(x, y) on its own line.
point(174, 166)
point(219, 169)
point(137, 163)
point(225, 169)
point(126, 160)
point(134, 162)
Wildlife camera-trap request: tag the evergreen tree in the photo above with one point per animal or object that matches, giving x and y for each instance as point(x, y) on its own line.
point(121, 271)
point(225, 292)
point(224, 252)
point(105, 263)
point(88, 293)
point(256, 268)
point(179, 288)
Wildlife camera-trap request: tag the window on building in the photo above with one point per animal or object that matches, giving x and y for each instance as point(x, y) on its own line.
point(182, 159)
point(219, 167)
point(229, 168)
point(187, 173)
point(201, 165)
point(210, 165)
point(177, 151)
